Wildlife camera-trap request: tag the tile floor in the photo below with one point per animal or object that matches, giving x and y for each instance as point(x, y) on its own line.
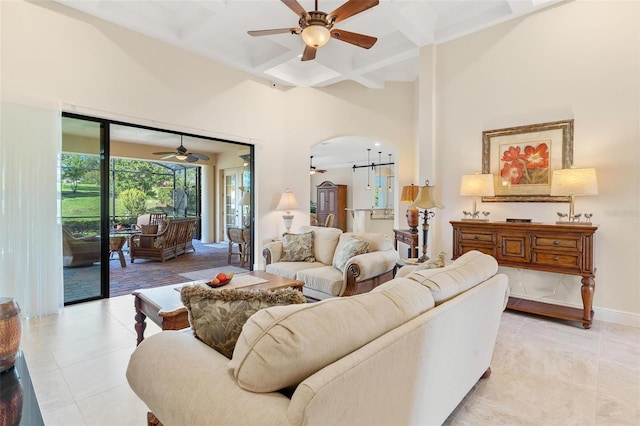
point(545, 372)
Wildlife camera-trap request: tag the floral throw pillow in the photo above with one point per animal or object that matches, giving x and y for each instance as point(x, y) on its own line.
point(297, 247)
point(351, 248)
point(217, 316)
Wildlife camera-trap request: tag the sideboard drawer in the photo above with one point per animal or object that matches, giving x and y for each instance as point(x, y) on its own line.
point(568, 262)
point(566, 241)
point(471, 235)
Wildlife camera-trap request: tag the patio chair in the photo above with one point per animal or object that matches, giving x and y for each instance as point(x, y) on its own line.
point(78, 251)
point(242, 238)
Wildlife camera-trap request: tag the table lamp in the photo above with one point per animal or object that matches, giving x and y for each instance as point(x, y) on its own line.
point(476, 186)
point(245, 204)
point(573, 182)
point(287, 203)
point(426, 200)
point(409, 194)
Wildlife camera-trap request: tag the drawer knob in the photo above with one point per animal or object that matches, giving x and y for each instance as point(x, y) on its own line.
point(556, 242)
point(555, 258)
point(475, 237)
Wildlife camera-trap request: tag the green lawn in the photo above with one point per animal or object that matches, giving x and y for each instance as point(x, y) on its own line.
point(84, 204)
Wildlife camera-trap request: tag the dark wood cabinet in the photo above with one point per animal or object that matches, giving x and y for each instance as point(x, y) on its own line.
point(564, 249)
point(332, 199)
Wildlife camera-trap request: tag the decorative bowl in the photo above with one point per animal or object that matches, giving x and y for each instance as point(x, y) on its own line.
point(220, 284)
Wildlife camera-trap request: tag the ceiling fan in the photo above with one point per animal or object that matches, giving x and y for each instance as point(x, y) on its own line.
point(181, 153)
point(313, 170)
point(316, 27)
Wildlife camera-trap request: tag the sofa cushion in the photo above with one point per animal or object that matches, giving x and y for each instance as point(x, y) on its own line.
point(291, 269)
point(465, 272)
point(345, 251)
point(325, 241)
point(282, 345)
point(217, 316)
point(326, 279)
point(297, 247)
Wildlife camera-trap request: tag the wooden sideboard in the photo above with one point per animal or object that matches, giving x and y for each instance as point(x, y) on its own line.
point(564, 249)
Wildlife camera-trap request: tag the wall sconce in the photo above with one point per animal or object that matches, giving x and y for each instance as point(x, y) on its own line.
point(426, 200)
point(476, 186)
point(287, 203)
point(409, 194)
point(574, 182)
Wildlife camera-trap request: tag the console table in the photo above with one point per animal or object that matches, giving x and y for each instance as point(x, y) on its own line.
point(564, 249)
point(409, 238)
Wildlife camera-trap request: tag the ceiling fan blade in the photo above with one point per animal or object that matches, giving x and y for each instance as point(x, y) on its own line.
point(199, 156)
point(296, 7)
point(309, 53)
point(191, 158)
point(258, 33)
point(357, 39)
point(173, 154)
point(350, 8)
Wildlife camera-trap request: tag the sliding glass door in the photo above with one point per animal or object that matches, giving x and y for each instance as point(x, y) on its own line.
point(82, 204)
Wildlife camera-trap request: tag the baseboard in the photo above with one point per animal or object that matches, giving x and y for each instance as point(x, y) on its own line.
point(617, 317)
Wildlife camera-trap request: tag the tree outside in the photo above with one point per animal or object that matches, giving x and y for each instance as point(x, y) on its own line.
point(136, 187)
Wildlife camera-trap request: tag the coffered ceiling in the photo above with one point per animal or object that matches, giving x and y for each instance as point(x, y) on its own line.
point(217, 29)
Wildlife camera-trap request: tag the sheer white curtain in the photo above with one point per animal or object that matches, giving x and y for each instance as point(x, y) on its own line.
point(30, 230)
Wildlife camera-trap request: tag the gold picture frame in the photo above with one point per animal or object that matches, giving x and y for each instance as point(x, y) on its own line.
point(522, 159)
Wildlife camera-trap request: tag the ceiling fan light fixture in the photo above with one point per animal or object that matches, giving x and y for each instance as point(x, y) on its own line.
point(316, 35)
point(181, 157)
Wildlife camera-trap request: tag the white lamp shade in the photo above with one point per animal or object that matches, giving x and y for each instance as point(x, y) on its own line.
point(426, 199)
point(287, 201)
point(246, 199)
point(477, 185)
point(574, 182)
point(316, 35)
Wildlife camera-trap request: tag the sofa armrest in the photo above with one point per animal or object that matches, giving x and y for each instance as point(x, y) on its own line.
point(272, 252)
point(372, 264)
point(194, 386)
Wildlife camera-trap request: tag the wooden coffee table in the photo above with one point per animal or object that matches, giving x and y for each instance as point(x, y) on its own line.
point(163, 306)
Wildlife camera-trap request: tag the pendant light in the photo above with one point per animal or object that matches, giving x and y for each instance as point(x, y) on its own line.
point(389, 189)
point(368, 162)
point(379, 170)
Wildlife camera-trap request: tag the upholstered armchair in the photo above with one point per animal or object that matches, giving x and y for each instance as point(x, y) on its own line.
point(78, 251)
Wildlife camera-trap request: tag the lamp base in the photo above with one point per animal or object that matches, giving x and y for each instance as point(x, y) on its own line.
point(413, 219)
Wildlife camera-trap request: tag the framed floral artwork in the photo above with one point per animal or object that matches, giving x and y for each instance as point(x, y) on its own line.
point(522, 159)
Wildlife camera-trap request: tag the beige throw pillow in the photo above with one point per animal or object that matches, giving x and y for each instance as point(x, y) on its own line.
point(281, 346)
point(297, 247)
point(217, 316)
point(346, 251)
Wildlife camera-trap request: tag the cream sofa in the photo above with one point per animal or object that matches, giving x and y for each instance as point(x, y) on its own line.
point(321, 279)
point(421, 344)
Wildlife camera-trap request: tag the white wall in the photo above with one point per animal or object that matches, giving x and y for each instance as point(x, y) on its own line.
point(96, 68)
point(579, 60)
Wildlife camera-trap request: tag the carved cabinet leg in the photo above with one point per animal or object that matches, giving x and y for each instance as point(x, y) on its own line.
point(588, 289)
